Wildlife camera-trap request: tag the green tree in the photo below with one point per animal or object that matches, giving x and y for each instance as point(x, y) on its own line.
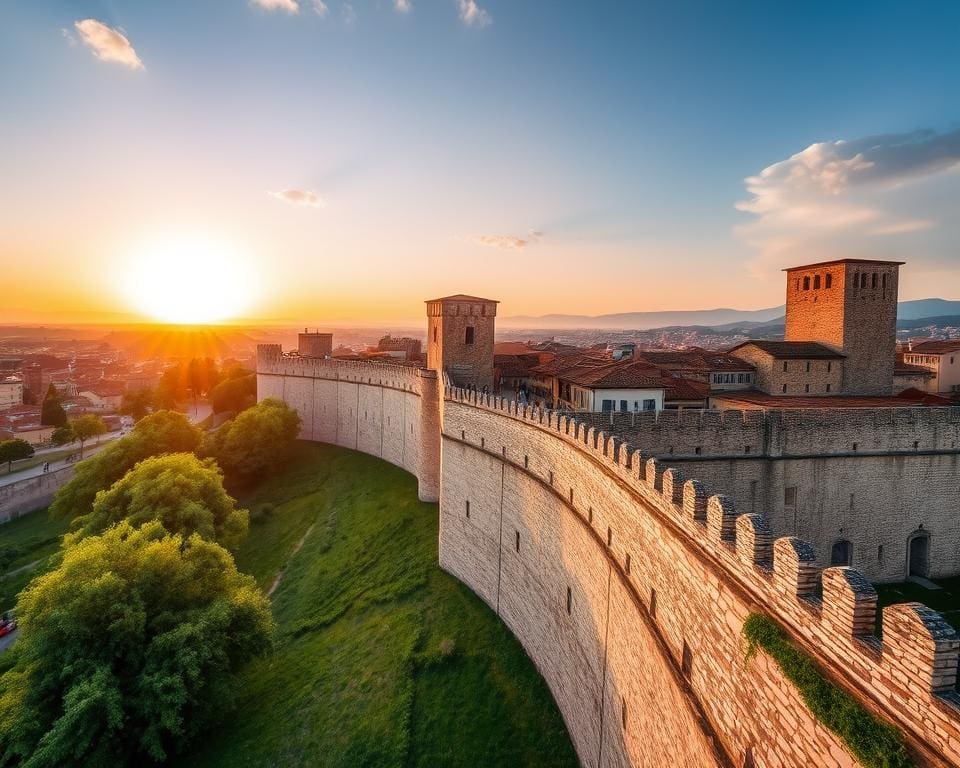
point(136, 403)
point(183, 493)
point(237, 392)
point(63, 435)
point(128, 650)
point(14, 450)
point(87, 427)
point(51, 411)
point(255, 441)
point(201, 376)
point(158, 433)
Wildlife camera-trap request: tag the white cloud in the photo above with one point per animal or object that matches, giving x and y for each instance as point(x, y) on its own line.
point(472, 14)
point(403, 6)
point(107, 43)
point(68, 37)
point(836, 198)
point(507, 242)
point(290, 6)
point(320, 8)
point(303, 197)
point(348, 14)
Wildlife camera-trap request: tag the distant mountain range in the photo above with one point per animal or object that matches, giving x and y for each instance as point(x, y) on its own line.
point(717, 319)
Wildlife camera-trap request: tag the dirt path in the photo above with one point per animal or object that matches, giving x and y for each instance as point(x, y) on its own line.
point(279, 577)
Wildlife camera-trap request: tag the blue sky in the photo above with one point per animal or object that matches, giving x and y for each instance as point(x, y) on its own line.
point(572, 157)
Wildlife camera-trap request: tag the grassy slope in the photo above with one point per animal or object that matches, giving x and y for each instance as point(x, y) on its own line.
point(364, 674)
point(37, 536)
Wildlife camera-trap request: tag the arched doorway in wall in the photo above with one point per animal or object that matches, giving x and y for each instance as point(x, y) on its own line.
point(841, 553)
point(918, 554)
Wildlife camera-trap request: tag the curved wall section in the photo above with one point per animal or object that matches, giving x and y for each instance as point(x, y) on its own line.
point(374, 408)
point(629, 590)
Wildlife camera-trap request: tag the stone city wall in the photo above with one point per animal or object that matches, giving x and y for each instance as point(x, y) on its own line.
point(32, 493)
point(873, 477)
point(644, 654)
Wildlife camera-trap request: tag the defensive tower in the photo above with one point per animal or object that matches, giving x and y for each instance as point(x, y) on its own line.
point(850, 305)
point(314, 344)
point(460, 338)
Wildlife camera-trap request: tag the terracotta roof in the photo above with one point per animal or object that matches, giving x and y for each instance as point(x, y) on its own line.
point(513, 348)
point(844, 261)
point(793, 350)
point(763, 400)
point(695, 360)
point(925, 398)
point(935, 347)
point(685, 389)
point(630, 374)
point(462, 297)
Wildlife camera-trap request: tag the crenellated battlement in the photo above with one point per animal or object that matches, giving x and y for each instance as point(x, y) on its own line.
point(908, 673)
point(272, 361)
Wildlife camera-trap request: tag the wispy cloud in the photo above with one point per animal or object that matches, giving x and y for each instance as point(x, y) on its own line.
point(472, 14)
point(107, 43)
point(507, 242)
point(403, 6)
point(834, 196)
point(302, 197)
point(320, 8)
point(348, 13)
point(289, 6)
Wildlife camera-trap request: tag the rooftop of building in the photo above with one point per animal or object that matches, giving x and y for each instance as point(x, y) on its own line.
point(935, 347)
point(845, 261)
point(901, 368)
point(462, 297)
point(792, 350)
point(695, 360)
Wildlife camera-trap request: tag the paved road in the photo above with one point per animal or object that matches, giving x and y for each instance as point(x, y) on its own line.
point(88, 450)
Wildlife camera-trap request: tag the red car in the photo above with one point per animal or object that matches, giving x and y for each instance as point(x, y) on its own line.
point(7, 626)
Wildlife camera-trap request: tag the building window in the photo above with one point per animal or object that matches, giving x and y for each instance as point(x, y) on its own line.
point(526, 462)
point(806, 283)
point(653, 603)
point(829, 367)
point(790, 496)
point(746, 449)
point(590, 515)
point(468, 507)
point(808, 366)
point(829, 280)
point(469, 336)
point(841, 553)
point(828, 387)
point(806, 388)
point(623, 405)
point(855, 446)
point(626, 564)
point(784, 366)
point(873, 281)
point(816, 282)
point(434, 334)
point(863, 280)
point(698, 450)
point(609, 536)
point(608, 405)
point(518, 541)
point(784, 389)
point(569, 599)
point(650, 404)
point(551, 477)
point(571, 495)
point(884, 281)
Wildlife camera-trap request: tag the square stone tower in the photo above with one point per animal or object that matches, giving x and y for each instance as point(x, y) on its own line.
point(314, 344)
point(851, 306)
point(460, 339)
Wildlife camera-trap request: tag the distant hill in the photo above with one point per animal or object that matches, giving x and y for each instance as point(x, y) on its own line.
point(728, 320)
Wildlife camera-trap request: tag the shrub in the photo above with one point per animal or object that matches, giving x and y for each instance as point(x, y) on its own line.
point(874, 743)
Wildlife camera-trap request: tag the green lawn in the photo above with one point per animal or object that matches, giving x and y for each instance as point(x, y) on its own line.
point(34, 537)
point(382, 659)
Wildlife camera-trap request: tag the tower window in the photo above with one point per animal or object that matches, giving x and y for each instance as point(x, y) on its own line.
point(569, 599)
point(873, 282)
point(784, 388)
point(828, 280)
point(434, 334)
point(808, 366)
point(884, 281)
point(468, 507)
point(863, 280)
point(469, 335)
point(784, 366)
point(518, 541)
point(806, 283)
point(807, 388)
point(829, 367)
point(828, 387)
point(609, 536)
point(816, 282)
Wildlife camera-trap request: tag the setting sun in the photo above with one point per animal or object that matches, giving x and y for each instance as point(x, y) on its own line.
point(189, 280)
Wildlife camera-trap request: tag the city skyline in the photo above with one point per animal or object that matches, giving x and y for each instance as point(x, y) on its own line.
point(340, 161)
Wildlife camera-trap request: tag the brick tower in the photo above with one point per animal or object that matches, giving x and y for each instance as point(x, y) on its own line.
point(314, 344)
point(460, 339)
point(850, 305)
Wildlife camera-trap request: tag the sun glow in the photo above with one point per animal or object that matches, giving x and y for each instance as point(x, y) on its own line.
point(190, 280)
